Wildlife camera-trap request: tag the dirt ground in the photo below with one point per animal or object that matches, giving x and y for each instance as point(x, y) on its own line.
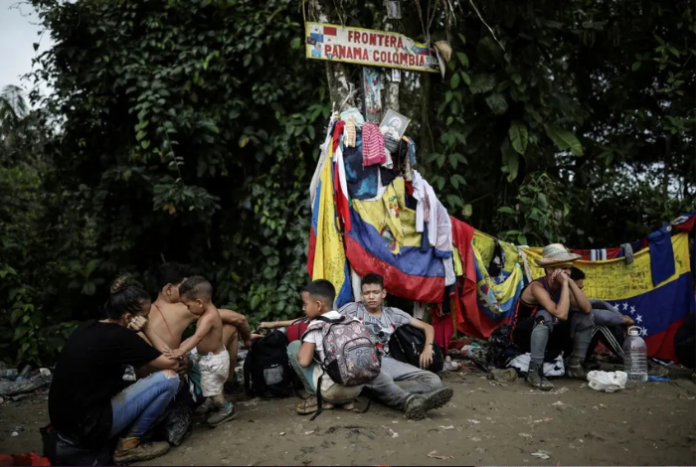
point(486, 423)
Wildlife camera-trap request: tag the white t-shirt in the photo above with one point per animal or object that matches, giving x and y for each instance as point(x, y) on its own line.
point(329, 390)
point(315, 337)
point(380, 327)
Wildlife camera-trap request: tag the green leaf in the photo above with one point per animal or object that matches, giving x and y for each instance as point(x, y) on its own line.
point(255, 300)
point(482, 83)
point(635, 66)
point(454, 82)
point(145, 144)
point(454, 201)
point(467, 211)
point(20, 332)
point(141, 134)
point(565, 140)
point(462, 38)
point(518, 137)
point(506, 210)
point(440, 159)
point(89, 288)
point(243, 140)
point(463, 59)
point(457, 180)
point(273, 261)
point(295, 43)
point(466, 78)
point(511, 160)
point(497, 103)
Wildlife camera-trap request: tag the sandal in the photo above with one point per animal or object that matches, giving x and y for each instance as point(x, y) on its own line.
point(309, 406)
point(349, 406)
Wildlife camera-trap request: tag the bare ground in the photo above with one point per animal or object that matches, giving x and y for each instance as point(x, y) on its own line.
point(486, 423)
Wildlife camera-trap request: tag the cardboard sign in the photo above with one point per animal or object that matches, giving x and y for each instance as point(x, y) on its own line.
point(367, 47)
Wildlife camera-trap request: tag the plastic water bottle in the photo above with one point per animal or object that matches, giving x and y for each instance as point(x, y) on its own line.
point(635, 357)
point(9, 373)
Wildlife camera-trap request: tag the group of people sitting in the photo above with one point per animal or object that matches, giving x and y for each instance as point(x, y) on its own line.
point(90, 407)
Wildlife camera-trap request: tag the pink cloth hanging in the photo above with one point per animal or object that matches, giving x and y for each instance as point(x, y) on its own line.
point(372, 145)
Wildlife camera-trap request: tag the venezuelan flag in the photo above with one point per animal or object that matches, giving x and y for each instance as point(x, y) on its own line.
point(383, 239)
point(326, 257)
point(658, 310)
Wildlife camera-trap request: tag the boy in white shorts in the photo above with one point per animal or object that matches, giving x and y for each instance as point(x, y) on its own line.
point(206, 347)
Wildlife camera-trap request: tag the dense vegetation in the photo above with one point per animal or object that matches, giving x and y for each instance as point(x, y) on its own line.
point(189, 129)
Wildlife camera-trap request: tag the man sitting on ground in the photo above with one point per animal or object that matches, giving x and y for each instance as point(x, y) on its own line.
point(399, 385)
point(317, 299)
point(543, 322)
point(606, 315)
point(170, 318)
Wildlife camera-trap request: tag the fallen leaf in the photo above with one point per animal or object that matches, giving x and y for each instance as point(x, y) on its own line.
point(433, 454)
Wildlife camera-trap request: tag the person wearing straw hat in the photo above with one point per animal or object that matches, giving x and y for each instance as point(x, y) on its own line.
point(543, 323)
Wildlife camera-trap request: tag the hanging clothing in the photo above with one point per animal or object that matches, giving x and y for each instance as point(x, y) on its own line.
point(363, 182)
point(442, 326)
point(423, 212)
point(322, 160)
point(411, 149)
point(350, 133)
point(387, 176)
point(627, 252)
point(661, 255)
point(373, 145)
point(354, 113)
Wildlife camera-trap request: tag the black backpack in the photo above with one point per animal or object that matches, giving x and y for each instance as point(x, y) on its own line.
point(267, 371)
point(406, 345)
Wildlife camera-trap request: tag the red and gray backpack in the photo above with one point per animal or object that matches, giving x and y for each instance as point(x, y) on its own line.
point(350, 356)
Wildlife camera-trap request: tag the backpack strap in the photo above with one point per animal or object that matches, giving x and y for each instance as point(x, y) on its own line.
point(331, 321)
point(247, 374)
point(318, 395)
point(367, 407)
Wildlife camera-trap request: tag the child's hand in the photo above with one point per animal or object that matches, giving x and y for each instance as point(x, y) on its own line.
point(172, 354)
point(264, 325)
point(426, 358)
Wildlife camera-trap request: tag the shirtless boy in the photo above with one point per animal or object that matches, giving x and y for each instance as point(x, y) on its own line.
point(205, 347)
point(170, 318)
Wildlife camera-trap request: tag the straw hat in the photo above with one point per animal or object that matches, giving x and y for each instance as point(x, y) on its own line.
point(555, 254)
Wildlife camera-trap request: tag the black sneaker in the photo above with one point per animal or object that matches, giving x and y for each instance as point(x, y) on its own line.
point(420, 404)
point(536, 378)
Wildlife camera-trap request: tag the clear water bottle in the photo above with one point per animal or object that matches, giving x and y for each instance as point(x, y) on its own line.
point(9, 373)
point(635, 357)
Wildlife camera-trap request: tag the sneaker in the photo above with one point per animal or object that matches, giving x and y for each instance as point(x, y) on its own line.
point(131, 450)
point(206, 407)
point(576, 371)
point(418, 405)
point(221, 416)
point(536, 378)
point(310, 406)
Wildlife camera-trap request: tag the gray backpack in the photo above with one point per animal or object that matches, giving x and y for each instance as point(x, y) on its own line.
point(350, 357)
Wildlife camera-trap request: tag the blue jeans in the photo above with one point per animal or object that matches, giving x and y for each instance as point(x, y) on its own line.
point(140, 405)
point(305, 374)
